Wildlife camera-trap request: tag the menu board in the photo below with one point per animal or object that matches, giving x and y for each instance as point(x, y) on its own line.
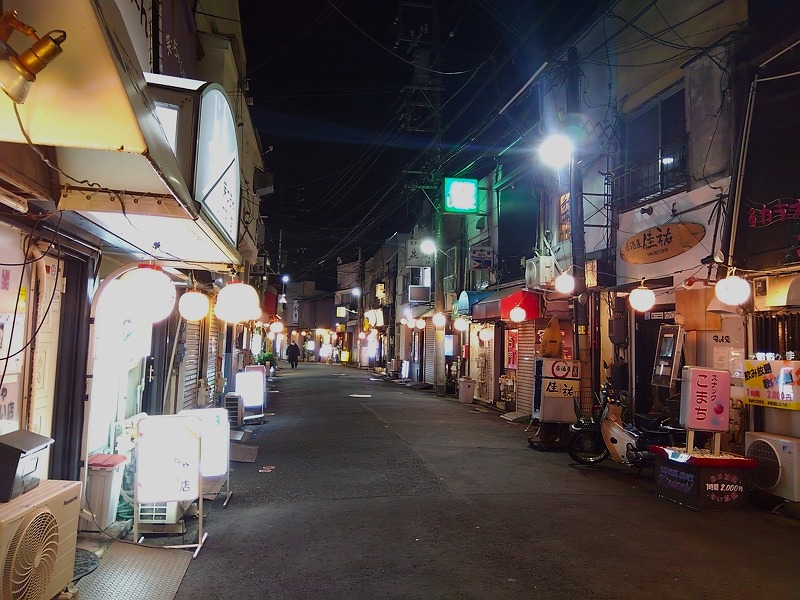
point(772, 383)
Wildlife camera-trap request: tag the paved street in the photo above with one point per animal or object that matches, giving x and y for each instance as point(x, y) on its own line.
point(380, 491)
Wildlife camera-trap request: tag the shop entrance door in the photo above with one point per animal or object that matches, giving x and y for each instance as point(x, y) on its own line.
point(647, 326)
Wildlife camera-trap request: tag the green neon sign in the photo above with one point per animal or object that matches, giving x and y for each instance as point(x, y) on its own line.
point(460, 195)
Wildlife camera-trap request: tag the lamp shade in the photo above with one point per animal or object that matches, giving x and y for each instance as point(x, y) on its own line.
point(420, 323)
point(485, 334)
point(439, 319)
point(732, 290)
point(517, 314)
point(461, 324)
point(15, 80)
point(237, 302)
point(276, 327)
point(193, 305)
point(642, 299)
point(565, 283)
point(149, 293)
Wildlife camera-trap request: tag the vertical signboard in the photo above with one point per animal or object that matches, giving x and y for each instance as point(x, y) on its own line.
point(168, 459)
point(705, 399)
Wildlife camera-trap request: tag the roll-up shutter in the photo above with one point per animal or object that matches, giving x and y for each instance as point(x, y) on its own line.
point(526, 354)
point(191, 366)
point(430, 355)
point(211, 358)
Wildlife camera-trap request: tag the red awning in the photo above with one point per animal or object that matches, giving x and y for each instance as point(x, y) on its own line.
point(499, 305)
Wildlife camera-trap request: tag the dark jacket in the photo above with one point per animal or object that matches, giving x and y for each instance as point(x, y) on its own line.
point(293, 351)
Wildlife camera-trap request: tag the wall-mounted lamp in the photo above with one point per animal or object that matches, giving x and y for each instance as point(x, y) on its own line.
point(18, 71)
point(732, 290)
point(564, 283)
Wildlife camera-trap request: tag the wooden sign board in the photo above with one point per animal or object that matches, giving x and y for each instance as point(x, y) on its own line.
point(661, 242)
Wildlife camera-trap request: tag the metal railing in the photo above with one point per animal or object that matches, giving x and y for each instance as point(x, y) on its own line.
point(655, 175)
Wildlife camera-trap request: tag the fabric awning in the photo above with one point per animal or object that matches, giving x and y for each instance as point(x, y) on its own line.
point(499, 304)
point(466, 300)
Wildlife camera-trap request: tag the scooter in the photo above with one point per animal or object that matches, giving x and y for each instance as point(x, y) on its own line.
point(593, 439)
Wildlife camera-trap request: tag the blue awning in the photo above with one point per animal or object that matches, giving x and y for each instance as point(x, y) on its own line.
point(466, 301)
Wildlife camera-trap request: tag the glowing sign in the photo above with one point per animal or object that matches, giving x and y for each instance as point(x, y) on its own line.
point(460, 195)
point(168, 459)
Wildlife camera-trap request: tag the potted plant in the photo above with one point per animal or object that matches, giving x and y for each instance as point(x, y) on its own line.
point(265, 358)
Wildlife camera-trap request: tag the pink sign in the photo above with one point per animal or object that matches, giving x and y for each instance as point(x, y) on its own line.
point(705, 399)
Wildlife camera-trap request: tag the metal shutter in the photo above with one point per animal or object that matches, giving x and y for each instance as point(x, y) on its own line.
point(191, 366)
point(211, 358)
point(430, 354)
point(527, 352)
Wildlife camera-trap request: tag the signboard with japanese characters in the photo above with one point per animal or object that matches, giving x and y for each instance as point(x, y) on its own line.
point(168, 459)
point(661, 242)
point(561, 369)
point(415, 257)
point(705, 399)
point(772, 383)
point(481, 258)
point(555, 388)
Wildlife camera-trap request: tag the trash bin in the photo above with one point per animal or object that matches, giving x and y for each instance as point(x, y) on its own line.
point(102, 490)
point(466, 390)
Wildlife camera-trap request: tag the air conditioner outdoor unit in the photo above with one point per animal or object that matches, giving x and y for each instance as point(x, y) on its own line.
point(539, 271)
point(41, 523)
point(778, 469)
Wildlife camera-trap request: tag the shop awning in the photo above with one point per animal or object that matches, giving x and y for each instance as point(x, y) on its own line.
point(120, 177)
point(466, 300)
point(498, 305)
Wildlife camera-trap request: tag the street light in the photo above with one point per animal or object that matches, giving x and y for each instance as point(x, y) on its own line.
point(556, 151)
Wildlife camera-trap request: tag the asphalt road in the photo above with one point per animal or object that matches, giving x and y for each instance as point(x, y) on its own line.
point(380, 491)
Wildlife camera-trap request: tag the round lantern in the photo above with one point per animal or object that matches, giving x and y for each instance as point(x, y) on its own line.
point(276, 327)
point(642, 299)
point(420, 323)
point(565, 283)
point(517, 314)
point(403, 321)
point(237, 302)
point(461, 324)
point(439, 319)
point(149, 293)
point(732, 290)
point(193, 305)
point(486, 334)
point(361, 335)
point(411, 324)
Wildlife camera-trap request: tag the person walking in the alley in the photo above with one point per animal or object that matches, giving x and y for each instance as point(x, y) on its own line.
point(293, 354)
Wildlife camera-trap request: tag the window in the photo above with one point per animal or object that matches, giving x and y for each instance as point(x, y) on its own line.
point(654, 156)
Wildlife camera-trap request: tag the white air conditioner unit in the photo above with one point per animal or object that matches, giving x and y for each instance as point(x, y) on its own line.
point(539, 271)
point(40, 524)
point(778, 469)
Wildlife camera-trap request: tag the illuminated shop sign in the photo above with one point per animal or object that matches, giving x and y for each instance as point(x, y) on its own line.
point(460, 195)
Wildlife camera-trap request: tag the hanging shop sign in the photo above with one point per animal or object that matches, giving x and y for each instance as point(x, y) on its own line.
point(772, 383)
point(481, 258)
point(415, 257)
point(460, 195)
point(661, 242)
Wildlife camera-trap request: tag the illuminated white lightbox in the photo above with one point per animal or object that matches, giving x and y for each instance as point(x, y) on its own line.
point(167, 459)
point(214, 441)
point(250, 385)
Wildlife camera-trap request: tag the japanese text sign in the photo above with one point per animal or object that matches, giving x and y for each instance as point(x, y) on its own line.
point(168, 459)
point(772, 383)
point(705, 399)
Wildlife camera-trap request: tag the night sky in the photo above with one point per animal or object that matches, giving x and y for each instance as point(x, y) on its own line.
point(327, 79)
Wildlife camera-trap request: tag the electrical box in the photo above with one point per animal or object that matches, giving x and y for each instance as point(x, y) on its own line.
point(618, 330)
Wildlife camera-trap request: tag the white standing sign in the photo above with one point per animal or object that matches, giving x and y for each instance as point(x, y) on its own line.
point(168, 459)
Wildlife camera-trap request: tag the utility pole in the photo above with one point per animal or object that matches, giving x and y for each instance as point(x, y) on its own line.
point(360, 308)
point(580, 343)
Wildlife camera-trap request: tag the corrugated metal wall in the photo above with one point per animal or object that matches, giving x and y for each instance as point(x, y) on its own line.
point(191, 366)
point(211, 359)
point(525, 365)
point(430, 340)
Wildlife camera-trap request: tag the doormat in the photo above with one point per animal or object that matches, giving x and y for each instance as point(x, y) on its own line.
point(134, 572)
point(86, 561)
point(243, 453)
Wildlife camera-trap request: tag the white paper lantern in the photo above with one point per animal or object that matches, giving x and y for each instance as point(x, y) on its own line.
point(517, 314)
point(461, 324)
point(149, 294)
point(276, 327)
point(237, 302)
point(193, 305)
point(420, 323)
point(439, 319)
point(486, 334)
point(642, 299)
point(732, 290)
